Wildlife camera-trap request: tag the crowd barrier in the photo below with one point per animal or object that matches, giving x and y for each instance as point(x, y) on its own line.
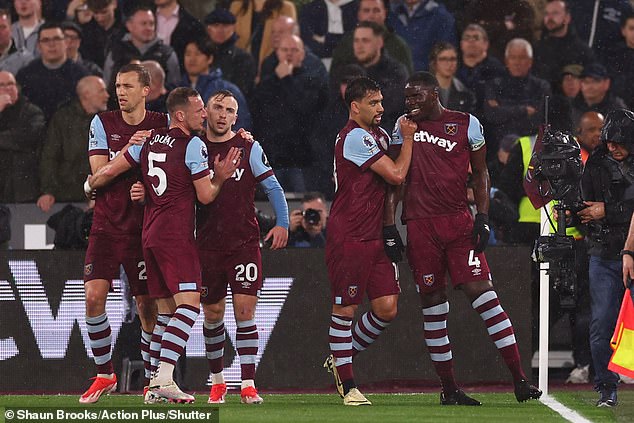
point(44, 344)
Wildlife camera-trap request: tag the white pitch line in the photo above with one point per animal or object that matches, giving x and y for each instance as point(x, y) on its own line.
point(565, 412)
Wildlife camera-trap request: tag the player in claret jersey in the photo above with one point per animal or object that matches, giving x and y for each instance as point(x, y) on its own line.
point(356, 260)
point(175, 172)
point(443, 237)
point(228, 240)
point(115, 235)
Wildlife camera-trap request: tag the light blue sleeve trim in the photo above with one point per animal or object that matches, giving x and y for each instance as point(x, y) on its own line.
point(397, 136)
point(275, 193)
point(135, 152)
point(97, 139)
point(196, 156)
point(258, 161)
point(475, 134)
point(359, 146)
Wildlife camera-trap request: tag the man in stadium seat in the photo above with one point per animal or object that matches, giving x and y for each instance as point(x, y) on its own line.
point(228, 238)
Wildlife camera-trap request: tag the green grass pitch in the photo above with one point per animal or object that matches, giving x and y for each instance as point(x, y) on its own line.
point(387, 408)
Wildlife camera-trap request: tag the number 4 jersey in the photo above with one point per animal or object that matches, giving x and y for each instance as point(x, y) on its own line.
point(170, 162)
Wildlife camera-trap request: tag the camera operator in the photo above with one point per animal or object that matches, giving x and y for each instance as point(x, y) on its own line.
point(308, 224)
point(608, 192)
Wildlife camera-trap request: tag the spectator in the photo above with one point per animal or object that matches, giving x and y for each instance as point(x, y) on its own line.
point(64, 164)
point(25, 30)
point(176, 27)
point(559, 46)
point(496, 165)
point(22, 126)
point(199, 57)
point(595, 93)
point(379, 66)
point(323, 23)
point(422, 23)
point(50, 80)
point(443, 63)
point(621, 62)
point(141, 43)
point(287, 100)
point(236, 65)
point(308, 224)
point(281, 27)
point(199, 9)
point(76, 11)
point(588, 133)
point(503, 20)
point(73, 37)
point(155, 100)
point(254, 20)
point(329, 122)
point(567, 89)
point(597, 23)
point(11, 59)
point(514, 102)
point(477, 67)
point(99, 33)
point(396, 47)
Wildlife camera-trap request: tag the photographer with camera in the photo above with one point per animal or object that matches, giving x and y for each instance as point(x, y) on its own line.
point(608, 192)
point(308, 224)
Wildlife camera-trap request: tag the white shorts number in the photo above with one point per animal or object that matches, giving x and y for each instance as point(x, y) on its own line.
point(142, 270)
point(473, 260)
point(248, 271)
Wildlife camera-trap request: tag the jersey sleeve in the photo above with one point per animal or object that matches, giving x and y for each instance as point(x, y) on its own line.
point(133, 154)
point(259, 163)
point(475, 134)
point(361, 148)
point(196, 158)
point(397, 136)
point(97, 140)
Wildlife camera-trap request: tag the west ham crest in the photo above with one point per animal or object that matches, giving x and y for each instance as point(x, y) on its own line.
point(88, 269)
point(451, 128)
point(204, 291)
point(428, 279)
point(353, 290)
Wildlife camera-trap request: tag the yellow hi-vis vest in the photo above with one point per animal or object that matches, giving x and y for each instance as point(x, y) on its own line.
point(622, 342)
point(528, 213)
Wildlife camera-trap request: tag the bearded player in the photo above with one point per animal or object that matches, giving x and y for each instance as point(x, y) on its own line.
point(443, 237)
point(228, 238)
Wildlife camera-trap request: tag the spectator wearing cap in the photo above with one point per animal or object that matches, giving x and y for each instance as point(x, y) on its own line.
point(254, 20)
point(621, 64)
point(98, 34)
point(236, 64)
point(73, 38)
point(176, 27)
point(595, 93)
point(11, 59)
point(567, 88)
point(329, 123)
point(559, 44)
point(198, 62)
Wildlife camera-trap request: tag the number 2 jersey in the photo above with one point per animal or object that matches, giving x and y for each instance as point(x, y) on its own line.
point(436, 184)
point(115, 214)
point(170, 161)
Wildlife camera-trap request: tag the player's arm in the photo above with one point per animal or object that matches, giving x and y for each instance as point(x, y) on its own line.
point(395, 171)
point(481, 184)
point(105, 174)
point(207, 189)
point(481, 180)
point(264, 174)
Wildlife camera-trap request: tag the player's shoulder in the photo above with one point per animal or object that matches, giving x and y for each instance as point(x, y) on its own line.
point(456, 116)
point(156, 118)
point(110, 117)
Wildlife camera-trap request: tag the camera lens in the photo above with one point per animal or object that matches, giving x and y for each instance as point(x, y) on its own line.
point(312, 216)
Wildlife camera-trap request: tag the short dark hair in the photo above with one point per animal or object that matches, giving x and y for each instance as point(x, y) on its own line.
point(358, 88)
point(313, 195)
point(223, 94)
point(70, 25)
point(423, 78)
point(178, 98)
point(95, 5)
point(7, 13)
point(205, 46)
point(438, 48)
point(48, 25)
point(142, 73)
point(132, 10)
point(378, 30)
point(626, 17)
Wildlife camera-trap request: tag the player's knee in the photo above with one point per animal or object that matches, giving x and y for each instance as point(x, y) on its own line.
point(146, 309)
point(387, 314)
point(244, 313)
point(214, 312)
point(95, 302)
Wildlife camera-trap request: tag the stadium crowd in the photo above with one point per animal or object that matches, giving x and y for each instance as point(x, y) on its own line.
point(288, 64)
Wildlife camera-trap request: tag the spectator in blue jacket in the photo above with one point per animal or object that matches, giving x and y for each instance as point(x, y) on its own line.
point(198, 60)
point(422, 23)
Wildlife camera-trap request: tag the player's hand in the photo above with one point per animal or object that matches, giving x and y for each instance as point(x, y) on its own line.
point(628, 270)
point(246, 135)
point(45, 202)
point(408, 127)
point(280, 237)
point(595, 210)
point(481, 232)
point(137, 193)
point(139, 137)
point(296, 219)
point(90, 193)
point(392, 243)
point(223, 169)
